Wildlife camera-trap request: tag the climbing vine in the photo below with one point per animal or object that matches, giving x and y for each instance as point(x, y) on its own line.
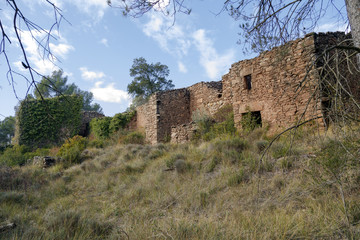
point(48, 121)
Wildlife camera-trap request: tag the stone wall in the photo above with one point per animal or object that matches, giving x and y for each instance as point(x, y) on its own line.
point(86, 118)
point(173, 108)
point(161, 112)
point(182, 133)
point(273, 91)
point(207, 97)
point(278, 85)
point(147, 119)
point(141, 117)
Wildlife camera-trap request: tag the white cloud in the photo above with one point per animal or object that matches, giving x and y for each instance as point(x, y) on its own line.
point(41, 62)
point(109, 93)
point(104, 41)
point(331, 27)
point(179, 39)
point(91, 7)
point(94, 8)
point(171, 38)
point(91, 75)
point(182, 67)
point(214, 64)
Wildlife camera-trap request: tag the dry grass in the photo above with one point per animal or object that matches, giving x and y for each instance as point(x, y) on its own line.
point(211, 190)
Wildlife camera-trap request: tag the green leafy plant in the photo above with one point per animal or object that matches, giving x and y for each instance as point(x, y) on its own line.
point(100, 127)
point(48, 121)
point(134, 138)
point(71, 150)
point(15, 155)
point(222, 123)
point(120, 121)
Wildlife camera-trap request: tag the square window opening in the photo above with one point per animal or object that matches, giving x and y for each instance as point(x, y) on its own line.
point(247, 82)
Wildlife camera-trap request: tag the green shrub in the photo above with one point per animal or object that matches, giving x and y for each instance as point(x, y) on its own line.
point(249, 122)
point(120, 121)
point(15, 155)
point(97, 143)
point(209, 127)
point(100, 127)
point(134, 138)
point(71, 150)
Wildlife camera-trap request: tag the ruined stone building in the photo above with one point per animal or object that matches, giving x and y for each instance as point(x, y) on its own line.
point(277, 87)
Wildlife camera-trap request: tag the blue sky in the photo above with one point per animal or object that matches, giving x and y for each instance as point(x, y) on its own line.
point(97, 47)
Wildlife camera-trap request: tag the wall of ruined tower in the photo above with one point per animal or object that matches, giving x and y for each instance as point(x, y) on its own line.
point(275, 76)
point(147, 119)
point(161, 112)
point(346, 63)
point(207, 97)
point(173, 108)
point(141, 117)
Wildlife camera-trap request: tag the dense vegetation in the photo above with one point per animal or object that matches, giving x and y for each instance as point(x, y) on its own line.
point(48, 121)
point(306, 187)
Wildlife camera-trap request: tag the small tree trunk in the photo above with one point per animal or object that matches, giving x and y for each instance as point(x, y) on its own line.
point(353, 12)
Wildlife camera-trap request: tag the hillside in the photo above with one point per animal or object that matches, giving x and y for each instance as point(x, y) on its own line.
point(306, 187)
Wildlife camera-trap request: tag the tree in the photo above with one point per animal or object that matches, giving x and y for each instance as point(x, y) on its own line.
point(56, 85)
point(7, 131)
point(148, 79)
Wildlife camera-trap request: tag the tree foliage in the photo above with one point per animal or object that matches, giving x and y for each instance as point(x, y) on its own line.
point(7, 130)
point(148, 79)
point(56, 85)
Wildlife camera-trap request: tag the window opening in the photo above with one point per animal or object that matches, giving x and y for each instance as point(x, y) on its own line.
point(247, 81)
point(251, 120)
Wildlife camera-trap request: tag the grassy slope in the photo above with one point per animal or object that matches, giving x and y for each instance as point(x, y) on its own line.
point(213, 190)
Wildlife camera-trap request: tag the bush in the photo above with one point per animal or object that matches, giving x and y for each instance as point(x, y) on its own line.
point(71, 150)
point(211, 127)
point(249, 122)
point(100, 127)
point(120, 121)
point(15, 155)
point(134, 138)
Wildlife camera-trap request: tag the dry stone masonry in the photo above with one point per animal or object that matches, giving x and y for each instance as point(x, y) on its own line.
point(278, 87)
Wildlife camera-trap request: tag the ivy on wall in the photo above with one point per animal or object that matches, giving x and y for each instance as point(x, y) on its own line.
point(48, 121)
